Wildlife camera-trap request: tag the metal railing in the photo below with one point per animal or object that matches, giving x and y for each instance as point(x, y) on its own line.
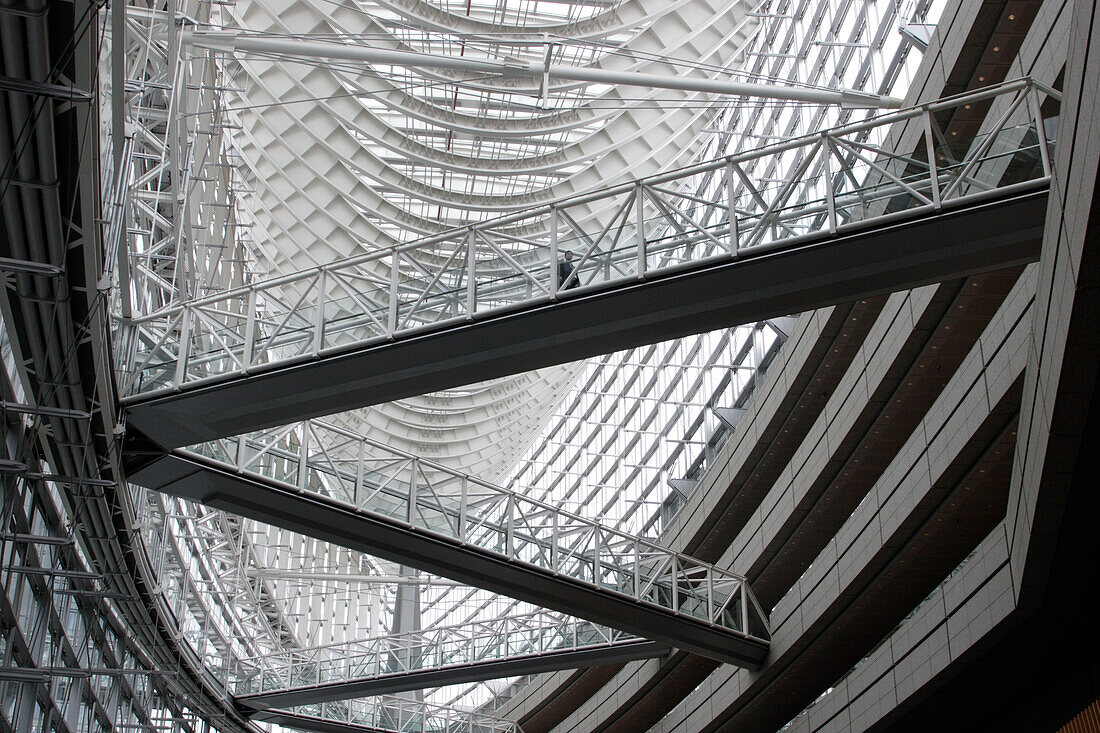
point(539, 632)
point(843, 180)
point(397, 714)
point(314, 456)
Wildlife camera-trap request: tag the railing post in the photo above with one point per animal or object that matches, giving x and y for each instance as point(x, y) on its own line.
point(675, 577)
point(184, 346)
point(710, 595)
point(637, 572)
point(391, 314)
point(1040, 132)
point(933, 166)
point(303, 454)
point(359, 468)
point(731, 195)
point(471, 274)
point(554, 559)
point(744, 607)
point(249, 330)
point(413, 465)
point(757, 356)
point(510, 528)
point(319, 314)
point(830, 198)
point(639, 224)
point(463, 504)
point(554, 284)
point(597, 566)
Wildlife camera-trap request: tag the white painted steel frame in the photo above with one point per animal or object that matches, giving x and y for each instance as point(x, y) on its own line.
point(388, 713)
point(305, 48)
point(254, 679)
point(480, 271)
point(316, 457)
point(772, 23)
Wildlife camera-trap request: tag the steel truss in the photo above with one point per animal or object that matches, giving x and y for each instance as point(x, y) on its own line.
point(843, 181)
point(84, 644)
point(181, 294)
point(386, 714)
point(175, 206)
point(333, 484)
point(222, 612)
point(484, 649)
point(225, 581)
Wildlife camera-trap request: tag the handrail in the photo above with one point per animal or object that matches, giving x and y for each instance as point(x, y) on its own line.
point(908, 113)
point(538, 632)
point(844, 180)
point(316, 457)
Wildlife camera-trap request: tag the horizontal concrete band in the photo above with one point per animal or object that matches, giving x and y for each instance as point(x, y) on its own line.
point(971, 410)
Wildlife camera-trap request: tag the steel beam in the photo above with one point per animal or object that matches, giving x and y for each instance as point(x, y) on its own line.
point(294, 48)
point(44, 89)
point(615, 653)
point(977, 238)
point(9, 264)
point(199, 479)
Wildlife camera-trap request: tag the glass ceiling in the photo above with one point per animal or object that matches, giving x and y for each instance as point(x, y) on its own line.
point(294, 162)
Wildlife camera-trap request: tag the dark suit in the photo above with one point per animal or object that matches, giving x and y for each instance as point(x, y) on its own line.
point(565, 269)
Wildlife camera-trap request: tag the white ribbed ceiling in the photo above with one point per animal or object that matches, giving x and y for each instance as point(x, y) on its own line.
point(345, 158)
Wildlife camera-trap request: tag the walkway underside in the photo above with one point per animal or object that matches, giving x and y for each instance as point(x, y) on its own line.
point(316, 725)
point(614, 653)
point(217, 485)
point(977, 237)
point(385, 714)
point(296, 721)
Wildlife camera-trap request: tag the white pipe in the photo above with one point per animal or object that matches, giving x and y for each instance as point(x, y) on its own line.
point(232, 42)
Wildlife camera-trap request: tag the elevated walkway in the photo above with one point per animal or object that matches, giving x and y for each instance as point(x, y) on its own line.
point(684, 252)
point(388, 714)
point(337, 486)
point(473, 652)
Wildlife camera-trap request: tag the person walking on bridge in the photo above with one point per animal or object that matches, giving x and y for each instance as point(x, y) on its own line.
point(566, 269)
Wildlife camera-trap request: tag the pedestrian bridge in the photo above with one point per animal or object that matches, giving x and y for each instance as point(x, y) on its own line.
point(510, 646)
point(713, 245)
point(385, 714)
point(330, 483)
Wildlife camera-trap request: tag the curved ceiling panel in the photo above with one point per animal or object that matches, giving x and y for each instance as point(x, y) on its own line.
point(345, 158)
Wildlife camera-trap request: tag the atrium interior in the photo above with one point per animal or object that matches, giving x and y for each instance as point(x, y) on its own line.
point(517, 366)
